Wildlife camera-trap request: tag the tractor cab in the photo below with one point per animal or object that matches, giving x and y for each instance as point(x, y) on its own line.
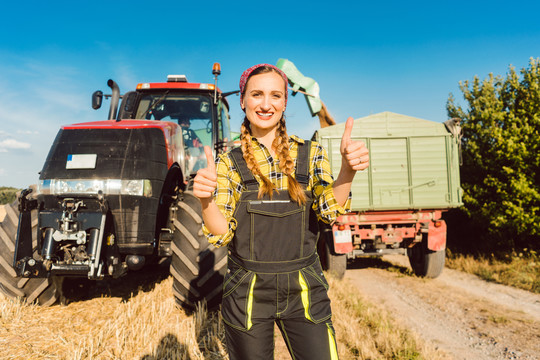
point(200, 109)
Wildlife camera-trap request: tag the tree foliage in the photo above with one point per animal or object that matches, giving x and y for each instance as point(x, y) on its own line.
point(501, 156)
point(7, 195)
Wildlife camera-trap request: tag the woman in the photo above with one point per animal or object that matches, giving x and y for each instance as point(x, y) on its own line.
point(264, 200)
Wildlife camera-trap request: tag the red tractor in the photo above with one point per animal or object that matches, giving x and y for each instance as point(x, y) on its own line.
point(115, 195)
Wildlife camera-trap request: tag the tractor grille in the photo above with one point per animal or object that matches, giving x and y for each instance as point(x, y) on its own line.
point(120, 154)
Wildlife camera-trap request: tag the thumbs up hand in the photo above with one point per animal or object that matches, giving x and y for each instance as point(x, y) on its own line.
point(354, 154)
point(205, 182)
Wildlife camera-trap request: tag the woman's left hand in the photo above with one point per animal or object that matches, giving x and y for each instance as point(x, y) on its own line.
point(354, 154)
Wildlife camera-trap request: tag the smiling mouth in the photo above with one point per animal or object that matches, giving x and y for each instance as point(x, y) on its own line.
point(265, 114)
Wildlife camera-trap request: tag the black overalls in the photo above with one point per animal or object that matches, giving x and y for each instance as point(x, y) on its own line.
point(274, 274)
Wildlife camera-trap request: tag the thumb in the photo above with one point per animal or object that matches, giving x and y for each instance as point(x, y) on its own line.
point(345, 139)
point(209, 159)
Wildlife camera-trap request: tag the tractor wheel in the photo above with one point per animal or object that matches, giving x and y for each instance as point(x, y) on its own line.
point(335, 264)
point(42, 290)
point(425, 262)
point(196, 266)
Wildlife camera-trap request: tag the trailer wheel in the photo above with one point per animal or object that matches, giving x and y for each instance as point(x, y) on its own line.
point(196, 266)
point(425, 262)
point(44, 291)
point(335, 264)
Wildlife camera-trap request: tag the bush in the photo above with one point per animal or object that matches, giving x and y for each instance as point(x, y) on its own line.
point(501, 160)
point(7, 195)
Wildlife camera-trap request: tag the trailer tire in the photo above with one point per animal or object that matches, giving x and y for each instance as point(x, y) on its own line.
point(335, 264)
point(424, 262)
point(44, 291)
point(197, 267)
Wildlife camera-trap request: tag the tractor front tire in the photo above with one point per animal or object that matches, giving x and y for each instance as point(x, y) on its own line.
point(197, 266)
point(44, 291)
point(424, 262)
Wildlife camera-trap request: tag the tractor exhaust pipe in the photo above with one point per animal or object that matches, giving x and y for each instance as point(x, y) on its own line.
point(115, 98)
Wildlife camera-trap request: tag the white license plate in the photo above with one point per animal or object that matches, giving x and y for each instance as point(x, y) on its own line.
point(81, 161)
point(343, 236)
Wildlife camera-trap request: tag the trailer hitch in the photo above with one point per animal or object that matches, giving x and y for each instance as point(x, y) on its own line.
point(71, 238)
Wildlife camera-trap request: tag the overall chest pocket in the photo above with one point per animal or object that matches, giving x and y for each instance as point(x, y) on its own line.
point(277, 230)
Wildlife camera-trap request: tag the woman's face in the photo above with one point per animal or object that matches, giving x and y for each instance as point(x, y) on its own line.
point(264, 102)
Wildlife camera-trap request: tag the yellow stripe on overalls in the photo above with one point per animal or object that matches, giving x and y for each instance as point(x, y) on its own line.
point(250, 301)
point(332, 344)
point(304, 294)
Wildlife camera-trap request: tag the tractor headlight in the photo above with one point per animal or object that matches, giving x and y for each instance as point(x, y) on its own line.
point(87, 186)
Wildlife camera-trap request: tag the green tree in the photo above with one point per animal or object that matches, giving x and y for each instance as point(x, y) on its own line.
point(501, 157)
point(7, 195)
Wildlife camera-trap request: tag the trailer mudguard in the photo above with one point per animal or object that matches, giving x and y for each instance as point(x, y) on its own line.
point(342, 239)
point(437, 235)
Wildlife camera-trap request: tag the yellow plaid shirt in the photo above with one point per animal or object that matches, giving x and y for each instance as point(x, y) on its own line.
point(229, 184)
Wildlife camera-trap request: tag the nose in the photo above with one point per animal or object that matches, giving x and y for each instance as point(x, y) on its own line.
point(265, 103)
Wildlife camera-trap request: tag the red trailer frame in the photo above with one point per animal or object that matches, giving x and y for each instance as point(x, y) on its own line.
point(391, 229)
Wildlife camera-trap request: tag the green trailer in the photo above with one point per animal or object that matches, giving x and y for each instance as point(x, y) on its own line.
point(397, 202)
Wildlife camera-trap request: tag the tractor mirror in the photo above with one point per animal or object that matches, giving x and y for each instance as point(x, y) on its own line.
point(129, 105)
point(97, 99)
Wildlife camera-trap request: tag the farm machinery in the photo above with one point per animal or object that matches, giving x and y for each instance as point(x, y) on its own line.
point(115, 195)
point(398, 201)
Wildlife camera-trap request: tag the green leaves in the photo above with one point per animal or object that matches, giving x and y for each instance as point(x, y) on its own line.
point(7, 195)
point(501, 155)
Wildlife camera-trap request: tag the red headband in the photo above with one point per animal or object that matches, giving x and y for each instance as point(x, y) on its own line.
point(247, 73)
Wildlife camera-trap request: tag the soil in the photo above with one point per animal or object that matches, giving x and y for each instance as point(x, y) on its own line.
point(458, 313)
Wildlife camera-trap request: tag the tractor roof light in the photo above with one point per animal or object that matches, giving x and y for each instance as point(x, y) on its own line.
point(176, 78)
point(216, 69)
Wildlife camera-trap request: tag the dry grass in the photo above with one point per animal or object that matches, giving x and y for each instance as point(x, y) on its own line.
point(150, 326)
point(518, 269)
point(2, 213)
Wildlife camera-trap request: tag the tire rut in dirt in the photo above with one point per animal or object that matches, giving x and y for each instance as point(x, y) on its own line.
point(42, 290)
point(196, 266)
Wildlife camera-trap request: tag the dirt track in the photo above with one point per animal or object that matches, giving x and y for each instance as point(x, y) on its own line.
point(457, 313)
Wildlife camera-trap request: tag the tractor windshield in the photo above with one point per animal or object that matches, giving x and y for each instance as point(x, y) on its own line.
point(192, 112)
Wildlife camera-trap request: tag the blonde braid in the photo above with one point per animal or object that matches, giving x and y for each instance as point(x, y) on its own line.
point(247, 150)
point(286, 163)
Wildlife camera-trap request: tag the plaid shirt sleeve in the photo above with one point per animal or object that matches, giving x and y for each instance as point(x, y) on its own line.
point(226, 196)
point(325, 204)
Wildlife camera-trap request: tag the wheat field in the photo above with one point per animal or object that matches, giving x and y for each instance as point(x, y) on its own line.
point(138, 319)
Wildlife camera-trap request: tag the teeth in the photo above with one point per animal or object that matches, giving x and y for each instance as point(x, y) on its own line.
point(264, 114)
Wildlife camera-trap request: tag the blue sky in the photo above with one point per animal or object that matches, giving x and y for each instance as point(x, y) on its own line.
point(367, 57)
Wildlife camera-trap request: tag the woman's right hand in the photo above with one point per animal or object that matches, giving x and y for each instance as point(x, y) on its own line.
point(205, 182)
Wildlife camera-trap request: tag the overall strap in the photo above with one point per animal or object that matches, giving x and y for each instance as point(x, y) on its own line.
point(302, 163)
point(245, 174)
